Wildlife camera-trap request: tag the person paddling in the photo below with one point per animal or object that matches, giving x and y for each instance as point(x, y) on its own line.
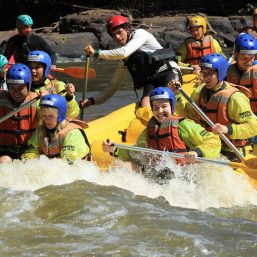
point(20, 45)
point(225, 105)
point(139, 53)
point(39, 63)
point(167, 132)
point(16, 130)
point(58, 136)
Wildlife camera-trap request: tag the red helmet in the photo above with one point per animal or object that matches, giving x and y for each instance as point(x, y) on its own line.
point(116, 21)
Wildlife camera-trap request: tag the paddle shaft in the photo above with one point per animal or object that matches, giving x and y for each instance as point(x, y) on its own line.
point(85, 86)
point(186, 68)
point(21, 107)
point(231, 59)
point(174, 155)
point(210, 123)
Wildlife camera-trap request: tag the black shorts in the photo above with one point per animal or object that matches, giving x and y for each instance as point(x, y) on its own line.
point(161, 80)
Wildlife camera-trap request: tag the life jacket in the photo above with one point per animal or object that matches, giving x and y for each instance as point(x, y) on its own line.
point(22, 46)
point(16, 131)
point(164, 136)
point(196, 49)
point(53, 149)
point(144, 65)
point(216, 109)
point(248, 79)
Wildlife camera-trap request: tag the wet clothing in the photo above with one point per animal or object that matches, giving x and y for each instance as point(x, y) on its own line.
point(58, 87)
point(144, 58)
point(215, 107)
point(191, 51)
point(165, 136)
point(242, 123)
point(16, 131)
point(193, 135)
point(20, 46)
point(70, 143)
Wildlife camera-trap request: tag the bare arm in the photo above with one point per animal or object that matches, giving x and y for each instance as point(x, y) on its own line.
point(117, 80)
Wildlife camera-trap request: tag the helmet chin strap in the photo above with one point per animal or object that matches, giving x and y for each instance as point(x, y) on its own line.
point(128, 35)
point(219, 82)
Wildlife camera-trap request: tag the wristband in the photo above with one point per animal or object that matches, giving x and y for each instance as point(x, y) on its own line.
point(199, 152)
point(178, 96)
point(69, 97)
point(92, 100)
point(96, 53)
point(230, 130)
point(115, 153)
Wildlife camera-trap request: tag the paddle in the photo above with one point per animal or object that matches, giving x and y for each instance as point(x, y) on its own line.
point(85, 85)
point(210, 123)
point(77, 72)
point(186, 68)
point(21, 107)
point(234, 165)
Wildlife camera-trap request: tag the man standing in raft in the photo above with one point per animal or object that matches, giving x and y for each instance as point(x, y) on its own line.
point(141, 54)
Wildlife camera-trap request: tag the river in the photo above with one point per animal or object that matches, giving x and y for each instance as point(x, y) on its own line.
point(50, 208)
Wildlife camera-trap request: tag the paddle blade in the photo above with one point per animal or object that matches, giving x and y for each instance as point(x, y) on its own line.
point(248, 167)
point(251, 161)
point(10, 62)
point(77, 72)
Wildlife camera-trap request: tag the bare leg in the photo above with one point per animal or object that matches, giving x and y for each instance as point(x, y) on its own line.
point(145, 102)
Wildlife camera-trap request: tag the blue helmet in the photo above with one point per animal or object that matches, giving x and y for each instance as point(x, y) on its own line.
point(217, 62)
point(3, 62)
point(24, 20)
point(164, 93)
point(42, 57)
point(246, 44)
point(55, 101)
point(20, 74)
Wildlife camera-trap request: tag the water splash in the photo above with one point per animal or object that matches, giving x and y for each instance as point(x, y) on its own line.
point(197, 186)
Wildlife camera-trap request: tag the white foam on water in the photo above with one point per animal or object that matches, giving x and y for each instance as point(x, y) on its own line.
point(198, 186)
point(38, 173)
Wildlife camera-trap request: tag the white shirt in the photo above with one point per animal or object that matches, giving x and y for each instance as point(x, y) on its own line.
point(140, 39)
